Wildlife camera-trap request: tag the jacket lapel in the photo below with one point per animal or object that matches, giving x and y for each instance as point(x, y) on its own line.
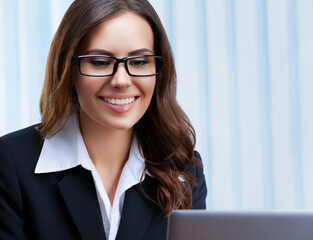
point(137, 211)
point(79, 194)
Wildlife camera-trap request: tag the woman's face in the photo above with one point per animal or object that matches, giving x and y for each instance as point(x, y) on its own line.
point(119, 101)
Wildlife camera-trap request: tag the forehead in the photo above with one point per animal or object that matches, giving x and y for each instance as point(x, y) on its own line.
point(120, 34)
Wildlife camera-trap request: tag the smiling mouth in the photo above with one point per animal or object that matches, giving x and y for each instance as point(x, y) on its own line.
point(118, 101)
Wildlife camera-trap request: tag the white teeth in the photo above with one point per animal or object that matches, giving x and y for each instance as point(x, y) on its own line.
point(120, 102)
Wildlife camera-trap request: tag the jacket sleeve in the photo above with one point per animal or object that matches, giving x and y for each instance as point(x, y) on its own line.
point(199, 192)
point(11, 209)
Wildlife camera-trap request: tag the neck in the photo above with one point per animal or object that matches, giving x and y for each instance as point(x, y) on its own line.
point(106, 147)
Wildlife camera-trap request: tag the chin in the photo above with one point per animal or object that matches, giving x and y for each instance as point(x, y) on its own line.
point(123, 128)
point(119, 126)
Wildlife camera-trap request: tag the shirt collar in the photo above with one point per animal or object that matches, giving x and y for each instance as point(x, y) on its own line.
point(66, 149)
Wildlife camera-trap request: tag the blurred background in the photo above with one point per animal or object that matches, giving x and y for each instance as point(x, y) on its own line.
point(245, 79)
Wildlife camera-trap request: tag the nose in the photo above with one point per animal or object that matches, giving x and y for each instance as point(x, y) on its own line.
point(121, 79)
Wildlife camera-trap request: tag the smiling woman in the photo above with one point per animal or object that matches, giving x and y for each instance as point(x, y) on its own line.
point(114, 153)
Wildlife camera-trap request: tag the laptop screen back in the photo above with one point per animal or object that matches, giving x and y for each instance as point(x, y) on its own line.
point(240, 225)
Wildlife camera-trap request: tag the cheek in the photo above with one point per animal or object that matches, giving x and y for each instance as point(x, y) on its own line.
point(81, 89)
point(148, 87)
point(85, 89)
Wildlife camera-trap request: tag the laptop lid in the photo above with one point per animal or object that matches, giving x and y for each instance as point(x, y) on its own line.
point(240, 225)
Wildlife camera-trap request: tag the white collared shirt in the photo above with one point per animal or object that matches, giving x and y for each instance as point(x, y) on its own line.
point(66, 149)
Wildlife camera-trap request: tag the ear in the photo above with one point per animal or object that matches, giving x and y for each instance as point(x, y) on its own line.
point(74, 70)
point(74, 89)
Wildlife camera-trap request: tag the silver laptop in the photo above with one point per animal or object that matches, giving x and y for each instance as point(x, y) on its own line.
point(240, 225)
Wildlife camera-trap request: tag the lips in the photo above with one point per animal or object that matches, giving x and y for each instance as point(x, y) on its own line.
point(120, 104)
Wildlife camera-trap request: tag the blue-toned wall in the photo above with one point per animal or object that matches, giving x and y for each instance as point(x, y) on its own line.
point(245, 79)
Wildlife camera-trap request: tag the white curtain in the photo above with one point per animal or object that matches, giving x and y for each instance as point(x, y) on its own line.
point(245, 79)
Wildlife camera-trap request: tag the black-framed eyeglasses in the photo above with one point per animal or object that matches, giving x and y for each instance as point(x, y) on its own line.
point(104, 66)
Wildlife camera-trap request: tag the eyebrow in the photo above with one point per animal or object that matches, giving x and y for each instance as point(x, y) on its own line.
point(108, 53)
point(99, 52)
point(140, 51)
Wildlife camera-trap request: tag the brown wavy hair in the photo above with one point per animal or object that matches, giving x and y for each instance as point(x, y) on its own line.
point(165, 134)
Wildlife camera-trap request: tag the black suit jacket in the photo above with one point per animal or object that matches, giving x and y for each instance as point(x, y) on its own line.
point(64, 205)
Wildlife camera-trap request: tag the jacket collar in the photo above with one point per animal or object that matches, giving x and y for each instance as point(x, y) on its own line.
point(138, 211)
point(77, 189)
point(79, 194)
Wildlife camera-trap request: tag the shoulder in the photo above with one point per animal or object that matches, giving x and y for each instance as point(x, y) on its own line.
point(21, 135)
point(199, 192)
point(21, 145)
point(196, 170)
point(20, 139)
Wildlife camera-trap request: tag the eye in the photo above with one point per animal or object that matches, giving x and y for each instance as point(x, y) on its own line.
point(139, 62)
point(100, 63)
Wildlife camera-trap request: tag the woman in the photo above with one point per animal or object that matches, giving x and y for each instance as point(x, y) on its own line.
point(114, 154)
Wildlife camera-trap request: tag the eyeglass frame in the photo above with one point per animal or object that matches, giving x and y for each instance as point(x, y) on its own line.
point(77, 59)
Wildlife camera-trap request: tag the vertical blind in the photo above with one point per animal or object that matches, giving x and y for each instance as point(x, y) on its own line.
point(245, 79)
